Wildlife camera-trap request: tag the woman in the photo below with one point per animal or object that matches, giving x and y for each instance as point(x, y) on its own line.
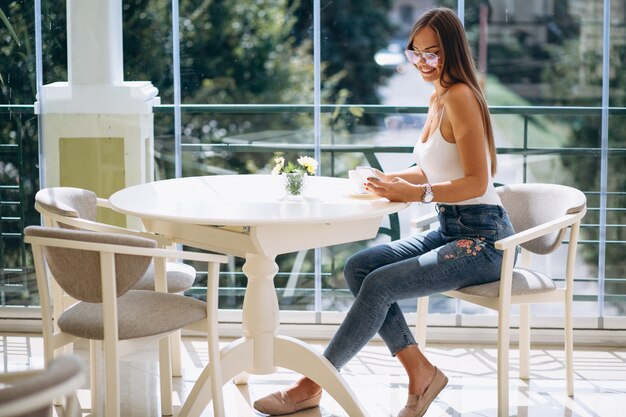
point(455, 161)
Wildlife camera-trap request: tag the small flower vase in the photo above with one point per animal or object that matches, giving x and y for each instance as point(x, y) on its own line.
point(294, 185)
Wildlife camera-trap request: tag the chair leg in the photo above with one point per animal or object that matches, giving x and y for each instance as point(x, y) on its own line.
point(215, 358)
point(569, 348)
point(503, 366)
point(422, 322)
point(175, 346)
point(524, 341)
point(165, 374)
point(112, 379)
point(241, 378)
point(72, 406)
point(95, 370)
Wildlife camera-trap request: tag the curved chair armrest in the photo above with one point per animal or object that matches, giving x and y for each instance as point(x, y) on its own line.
point(538, 231)
point(425, 220)
point(126, 250)
point(32, 390)
point(107, 228)
point(102, 202)
point(11, 378)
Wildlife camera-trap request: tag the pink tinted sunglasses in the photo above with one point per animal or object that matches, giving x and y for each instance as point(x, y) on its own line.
point(429, 58)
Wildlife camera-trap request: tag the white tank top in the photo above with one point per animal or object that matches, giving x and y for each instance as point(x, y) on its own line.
point(439, 159)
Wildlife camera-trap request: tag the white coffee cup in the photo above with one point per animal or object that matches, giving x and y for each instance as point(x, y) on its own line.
point(356, 182)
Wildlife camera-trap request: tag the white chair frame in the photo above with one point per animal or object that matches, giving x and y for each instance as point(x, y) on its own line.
point(51, 219)
point(113, 348)
point(502, 303)
point(26, 404)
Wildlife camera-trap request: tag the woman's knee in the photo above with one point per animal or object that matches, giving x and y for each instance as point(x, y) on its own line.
point(375, 288)
point(356, 269)
point(353, 274)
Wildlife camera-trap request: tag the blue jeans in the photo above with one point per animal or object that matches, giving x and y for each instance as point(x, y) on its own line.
point(458, 254)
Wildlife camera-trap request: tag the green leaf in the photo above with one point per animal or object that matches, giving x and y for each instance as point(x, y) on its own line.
point(3, 17)
point(356, 111)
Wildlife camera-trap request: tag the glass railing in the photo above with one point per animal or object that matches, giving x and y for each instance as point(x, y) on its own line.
point(19, 180)
point(535, 144)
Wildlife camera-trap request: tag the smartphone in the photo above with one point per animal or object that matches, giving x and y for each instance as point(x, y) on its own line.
point(366, 172)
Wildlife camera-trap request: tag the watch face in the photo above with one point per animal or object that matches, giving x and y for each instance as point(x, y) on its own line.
point(428, 194)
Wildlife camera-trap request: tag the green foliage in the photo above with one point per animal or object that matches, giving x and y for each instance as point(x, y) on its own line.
point(17, 62)
point(352, 32)
point(7, 24)
point(584, 75)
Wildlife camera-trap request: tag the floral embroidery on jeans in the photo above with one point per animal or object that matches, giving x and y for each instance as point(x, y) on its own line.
point(467, 247)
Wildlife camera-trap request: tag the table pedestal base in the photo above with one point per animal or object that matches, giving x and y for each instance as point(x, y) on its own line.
point(289, 353)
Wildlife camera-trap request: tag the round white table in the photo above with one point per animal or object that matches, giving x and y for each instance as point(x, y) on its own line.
point(247, 216)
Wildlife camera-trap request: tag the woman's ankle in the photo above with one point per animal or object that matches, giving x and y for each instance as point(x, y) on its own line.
point(303, 389)
point(419, 381)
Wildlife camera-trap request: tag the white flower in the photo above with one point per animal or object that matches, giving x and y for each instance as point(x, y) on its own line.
point(310, 164)
point(305, 165)
point(280, 165)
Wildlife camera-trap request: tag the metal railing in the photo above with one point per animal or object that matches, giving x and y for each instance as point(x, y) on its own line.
point(14, 259)
point(266, 144)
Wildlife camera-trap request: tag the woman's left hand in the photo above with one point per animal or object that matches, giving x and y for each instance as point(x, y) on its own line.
point(396, 189)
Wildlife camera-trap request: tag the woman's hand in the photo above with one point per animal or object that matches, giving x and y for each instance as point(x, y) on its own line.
point(394, 189)
point(382, 176)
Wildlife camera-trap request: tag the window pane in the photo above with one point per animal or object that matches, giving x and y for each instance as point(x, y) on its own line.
point(245, 52)
point(352, 33)
point(148, 45)
point(544, 53)
point(19, 165)
point(17, 53)
point(53, 40)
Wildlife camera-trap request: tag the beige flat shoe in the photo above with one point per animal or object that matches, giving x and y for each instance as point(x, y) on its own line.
point(279, 403)
point(417, 405)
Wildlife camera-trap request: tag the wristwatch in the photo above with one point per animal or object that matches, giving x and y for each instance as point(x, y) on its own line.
point(428, 195)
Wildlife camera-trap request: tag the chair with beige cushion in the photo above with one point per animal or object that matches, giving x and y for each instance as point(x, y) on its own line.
point(100, 270)
point(31, 393)
point(76, 208)
point(541, 215)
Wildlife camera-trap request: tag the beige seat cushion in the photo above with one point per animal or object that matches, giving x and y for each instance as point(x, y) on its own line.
point(524, 282)
point(180, 277)
point(140, 314)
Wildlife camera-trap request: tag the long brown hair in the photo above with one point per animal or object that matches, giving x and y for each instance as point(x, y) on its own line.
point(458, 64)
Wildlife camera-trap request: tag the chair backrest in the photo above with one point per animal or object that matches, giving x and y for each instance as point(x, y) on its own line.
point(529, 205)
point(78, 271)
point(68, 202)
point(31, 395)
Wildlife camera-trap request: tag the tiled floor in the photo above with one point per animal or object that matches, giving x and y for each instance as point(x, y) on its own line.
point(379, 381)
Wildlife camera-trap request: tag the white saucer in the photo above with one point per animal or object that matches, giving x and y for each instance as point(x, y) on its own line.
point(365, 195)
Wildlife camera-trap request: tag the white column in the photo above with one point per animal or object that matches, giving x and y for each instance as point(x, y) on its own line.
point(96, 113)
point(94, 42)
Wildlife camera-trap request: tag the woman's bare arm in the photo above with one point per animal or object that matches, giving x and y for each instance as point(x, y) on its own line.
point(465, 120)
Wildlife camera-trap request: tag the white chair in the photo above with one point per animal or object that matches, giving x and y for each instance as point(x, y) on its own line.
point(99, 270)
point(540, 214)
point(76, 208)
point(31, 393)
